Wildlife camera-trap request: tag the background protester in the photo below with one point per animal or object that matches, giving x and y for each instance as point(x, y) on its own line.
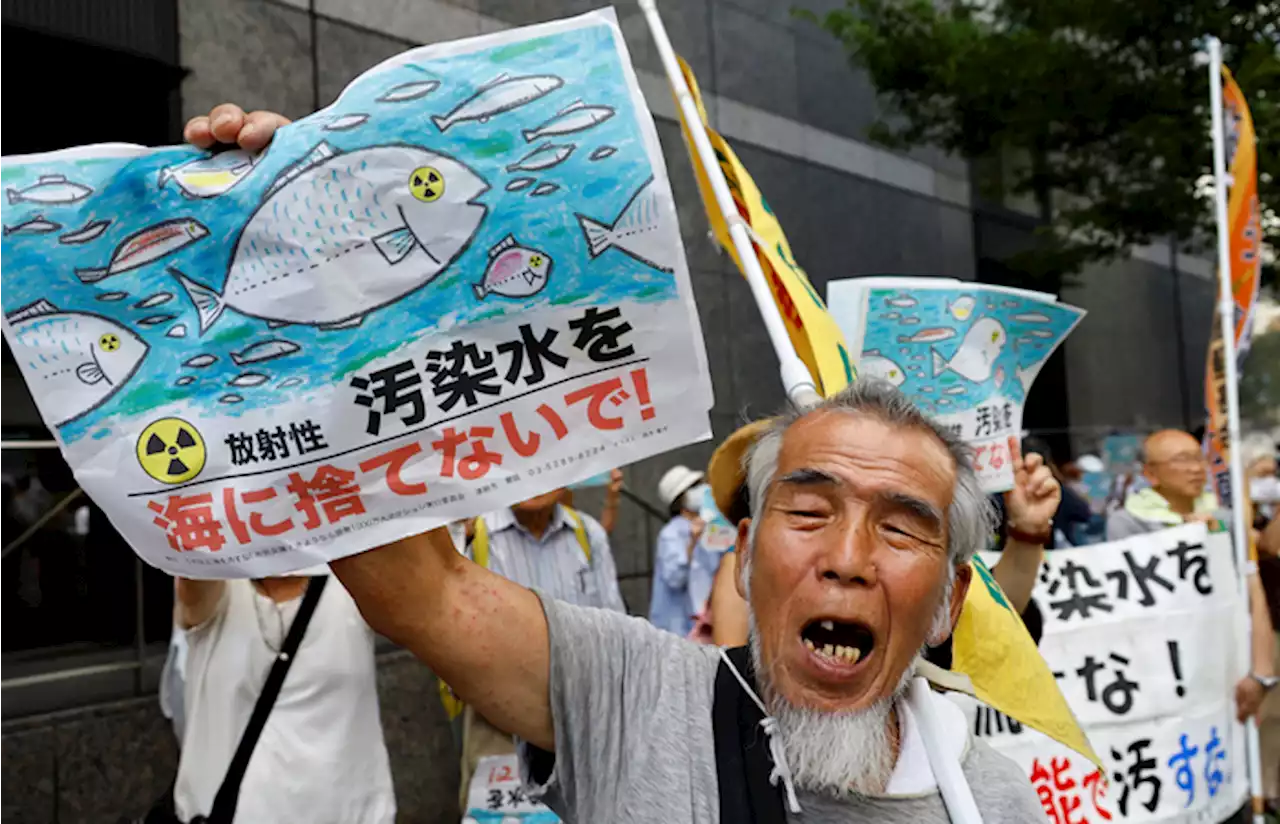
point(321, 755)
point(681, 492)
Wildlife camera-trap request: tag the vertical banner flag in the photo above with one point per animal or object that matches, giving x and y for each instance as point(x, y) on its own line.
point(815, 336)
point(1139, 634)
point(966, 353)
point(1244, 227)
point(460, 285)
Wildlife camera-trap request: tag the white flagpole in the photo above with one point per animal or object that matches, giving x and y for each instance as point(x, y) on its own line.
point(796, 379)
point(1227, 319)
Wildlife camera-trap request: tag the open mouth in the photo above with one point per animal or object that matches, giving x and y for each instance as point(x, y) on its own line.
point(837, 641)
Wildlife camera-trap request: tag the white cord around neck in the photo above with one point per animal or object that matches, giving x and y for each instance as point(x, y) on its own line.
point(781, 772)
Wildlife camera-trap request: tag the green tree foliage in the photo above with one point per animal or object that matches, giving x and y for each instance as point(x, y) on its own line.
point(1107, 96)
point(1260, 382)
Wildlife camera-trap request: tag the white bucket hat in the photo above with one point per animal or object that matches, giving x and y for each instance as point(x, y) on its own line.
point(677, 481)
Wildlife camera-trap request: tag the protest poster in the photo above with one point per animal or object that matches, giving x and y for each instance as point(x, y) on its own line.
point(1145, 637)
point(496, 795)
point(966, 353)
point(459, 285)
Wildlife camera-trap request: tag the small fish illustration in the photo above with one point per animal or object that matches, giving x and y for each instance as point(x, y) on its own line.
point(926, 389)
point(890, 316)
point(544, 189)
point(347, 121)
point(944, 401)
point(79, 359)
point(185, 380)
point(154, 320)
point(1024, 341)
point(903, 349)
point(910, 320)
point(901, 301)
point(264, 350)
point(575, 117)
point(954, 390)
point(601, 153)
point(916, 357)
point(113, 296)
point(962, 307)
point(36, 225)
point(514, 271)
point(638, 231)
point(248, 379)
point(85, 233)
point(50, 190)
point(543, 157)
point(230, 397)
point(1031, 317)
point(933, 335)
point(1040, 333)
point(999, 377)
point(977, 354)
point(406, 92)
point(149, 244)
point(211, 175)
point(158, 299)
point(501, 94)
point(200, 361)
point(323, 223)
point(520, 183)
point(878, 366)
point(178, 331)
point(1008, 304)
point(1027, 375)
point(290, 382)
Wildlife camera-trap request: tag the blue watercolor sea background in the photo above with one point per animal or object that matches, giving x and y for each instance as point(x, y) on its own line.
point(125, 191)
point(1028, 342)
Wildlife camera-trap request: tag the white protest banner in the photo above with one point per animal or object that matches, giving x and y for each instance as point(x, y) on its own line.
point(1144, 638)
point(496, 795)
point(460, 285)
point(966, 353)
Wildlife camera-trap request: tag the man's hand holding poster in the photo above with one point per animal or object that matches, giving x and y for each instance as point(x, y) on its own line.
point(460, 285)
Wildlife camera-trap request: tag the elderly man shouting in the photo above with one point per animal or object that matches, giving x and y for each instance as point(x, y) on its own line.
point(863, 516)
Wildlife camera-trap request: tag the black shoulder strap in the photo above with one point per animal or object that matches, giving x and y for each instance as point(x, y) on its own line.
point(224, 803)
point(742, 750)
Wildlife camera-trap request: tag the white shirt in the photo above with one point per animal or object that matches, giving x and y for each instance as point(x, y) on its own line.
point(321, 756)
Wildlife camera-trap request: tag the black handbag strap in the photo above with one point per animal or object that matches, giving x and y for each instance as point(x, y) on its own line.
point(224, 803)
point(743, 763)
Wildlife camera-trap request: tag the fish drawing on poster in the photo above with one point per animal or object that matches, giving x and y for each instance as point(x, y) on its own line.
point(445, 245)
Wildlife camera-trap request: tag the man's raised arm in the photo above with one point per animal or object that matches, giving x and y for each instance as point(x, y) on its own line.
point(485, 636)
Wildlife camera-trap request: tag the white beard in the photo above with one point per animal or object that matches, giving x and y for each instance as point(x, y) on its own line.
point(841, 754)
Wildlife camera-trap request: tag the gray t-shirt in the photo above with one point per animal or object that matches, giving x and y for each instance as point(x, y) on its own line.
point(634, 742)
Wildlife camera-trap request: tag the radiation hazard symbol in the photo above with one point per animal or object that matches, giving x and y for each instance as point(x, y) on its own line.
point(171, 451)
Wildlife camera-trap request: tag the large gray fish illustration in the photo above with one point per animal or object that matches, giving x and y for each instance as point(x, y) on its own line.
point(209, 176)
point(543, 157)
point(575, 117)
point(501, 94)
point(346, 234)
point(50, 189)
point(639, 231)
point(148, 245)
point(73, 360)
point(37, 225)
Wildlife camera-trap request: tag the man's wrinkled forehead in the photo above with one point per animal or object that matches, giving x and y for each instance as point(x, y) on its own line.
point(856, 450)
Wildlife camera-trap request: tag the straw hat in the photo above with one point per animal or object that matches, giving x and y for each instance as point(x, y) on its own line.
point(725, 472)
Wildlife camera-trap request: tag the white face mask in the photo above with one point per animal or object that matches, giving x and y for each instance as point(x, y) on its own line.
point(1265, 490)
point(692, 500)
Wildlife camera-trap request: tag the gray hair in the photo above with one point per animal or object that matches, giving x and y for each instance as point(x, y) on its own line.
point(970, 518)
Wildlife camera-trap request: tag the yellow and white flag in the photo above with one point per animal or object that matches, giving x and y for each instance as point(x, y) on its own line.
point(814, 334)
